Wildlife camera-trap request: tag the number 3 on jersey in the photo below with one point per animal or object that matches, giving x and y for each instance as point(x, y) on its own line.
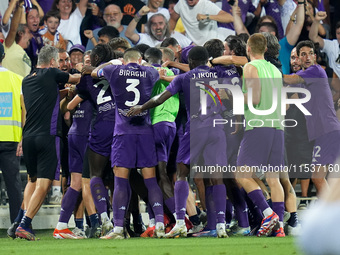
point(132, 88)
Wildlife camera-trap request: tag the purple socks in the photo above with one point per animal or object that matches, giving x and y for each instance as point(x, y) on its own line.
point(170, 203)
point(256, 196)
point(241, 208)
point(99, 194)
point(181, 196)
point(279, 209)
point(68, 204)
point(220, 198)
point(211, 213)
point(121, 198)
point(155, 198)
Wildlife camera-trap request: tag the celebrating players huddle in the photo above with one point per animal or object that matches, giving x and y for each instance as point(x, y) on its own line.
point(127, 114)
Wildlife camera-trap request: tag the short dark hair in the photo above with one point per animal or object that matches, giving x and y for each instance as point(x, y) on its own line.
point(119, 42)
point(306, 43)
point(214, 47)
point(54, 14)
point(109, 31)
point(272, 27)
point(104, 53)
point(55, 8)
point(237, 45)
point(169, 42)
point(197, 56)
point(34, 7)
point(142, 48)
point(153, 55)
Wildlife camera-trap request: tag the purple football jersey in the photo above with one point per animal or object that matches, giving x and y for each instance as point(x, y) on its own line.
point(82, 118)
point(99, 93)
point(185, 54)
point(131, 85)
point(323, 119)
point(191, 84)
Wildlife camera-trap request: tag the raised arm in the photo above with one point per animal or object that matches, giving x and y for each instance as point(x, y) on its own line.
point(8, 12)
point(295, 30)
point(314, 30)
point(40, 10)
point(130, 30)
point(82, 6)
point(238, 23)
point(14, 26)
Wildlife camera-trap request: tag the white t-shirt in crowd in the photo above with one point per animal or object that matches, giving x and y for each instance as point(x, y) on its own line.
point(331, 47)
point(70, 28)
point(198, 31)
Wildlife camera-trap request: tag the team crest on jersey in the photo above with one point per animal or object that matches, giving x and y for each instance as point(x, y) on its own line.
point(26, 60)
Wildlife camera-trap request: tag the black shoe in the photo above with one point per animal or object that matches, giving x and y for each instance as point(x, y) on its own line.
point(129, 230)
point(95, 231)
point(12, 229)
point(138, 225)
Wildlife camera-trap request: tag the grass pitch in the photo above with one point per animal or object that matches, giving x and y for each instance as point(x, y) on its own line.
point(138, 246)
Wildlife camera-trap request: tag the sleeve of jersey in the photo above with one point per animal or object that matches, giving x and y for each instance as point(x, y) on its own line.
point(60, 76)
point(311, 72)
point(154, 75)
point(106, 72)
point(176, 85)
point(327, 47)
point(177, 7)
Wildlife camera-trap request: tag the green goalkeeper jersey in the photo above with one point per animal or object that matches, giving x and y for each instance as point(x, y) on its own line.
point(169, 109)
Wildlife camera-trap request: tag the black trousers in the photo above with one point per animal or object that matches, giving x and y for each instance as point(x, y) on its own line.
point(9, 165)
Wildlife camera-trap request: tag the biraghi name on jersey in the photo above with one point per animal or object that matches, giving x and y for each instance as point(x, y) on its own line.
point(205, 75)
point(130, 73)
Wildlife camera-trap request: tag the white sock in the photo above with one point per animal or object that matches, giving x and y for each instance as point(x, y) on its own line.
point(159, 225)
point(180, 222)
point(152, 222)
point(104, 217)
point(118, 230)
point(56, 190)
point(267, 212)
point(281, 224)
point(61, 225)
